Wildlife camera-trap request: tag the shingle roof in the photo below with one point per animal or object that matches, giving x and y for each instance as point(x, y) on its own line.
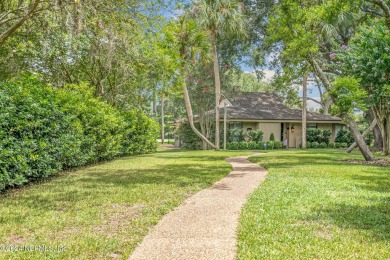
point(267, 106)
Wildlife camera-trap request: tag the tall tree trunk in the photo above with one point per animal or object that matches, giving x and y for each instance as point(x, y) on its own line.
point(368, 156)
point(378, 142)
point(368, 130)
point(304, 101)
point(162, 120)
point(327, 105)
point(384, 126)
point(217, 81)
point(191, 118)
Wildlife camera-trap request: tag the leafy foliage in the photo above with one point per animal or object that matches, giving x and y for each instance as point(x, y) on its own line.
point(187, 137)
point(318, 135)
point(44, 131)
point(344, 136)
point(255, 135)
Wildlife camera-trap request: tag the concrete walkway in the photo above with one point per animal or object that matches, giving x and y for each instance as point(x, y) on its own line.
point(205, 225)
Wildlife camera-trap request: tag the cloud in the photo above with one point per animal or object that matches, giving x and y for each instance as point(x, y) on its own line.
point(313, 105)
point(268, 74)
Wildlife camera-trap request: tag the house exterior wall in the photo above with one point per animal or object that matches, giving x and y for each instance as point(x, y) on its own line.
point(269, 128)
point(247, 125)
point(294, 138)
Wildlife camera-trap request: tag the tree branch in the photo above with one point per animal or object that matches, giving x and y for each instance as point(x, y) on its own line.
point(4, 36)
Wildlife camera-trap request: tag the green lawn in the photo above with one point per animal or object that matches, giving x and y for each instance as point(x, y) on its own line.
point(102, 212)
point(312, 206)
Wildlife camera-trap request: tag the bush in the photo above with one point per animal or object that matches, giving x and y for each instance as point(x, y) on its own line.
point(270, 145)
point(44, 130)
point(332, 145)
point(318, 135)
point(189, 140)
point(272, 137)
point(243, 145)
point(308, 145)
point(343, 145)
point(255, 135)
point(233, 146)
point(344, 136)
point(252, 145)
point(260, 145)
point(315, 144)
point(278, 145)
point(235, 135)
point(323, 145)
point(337, 145)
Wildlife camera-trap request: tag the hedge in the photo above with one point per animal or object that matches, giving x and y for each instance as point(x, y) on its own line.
point(45, 130)
point(270, 145)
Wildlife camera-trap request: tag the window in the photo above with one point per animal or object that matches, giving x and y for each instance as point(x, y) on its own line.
point(235, 125)
point(311, 125)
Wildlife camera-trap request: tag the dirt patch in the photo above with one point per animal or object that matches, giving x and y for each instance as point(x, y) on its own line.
point(378, 162)
point(118, 217)
point(16, 240)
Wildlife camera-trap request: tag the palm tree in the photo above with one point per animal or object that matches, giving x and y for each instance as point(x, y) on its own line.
point(304, 101)
point(219, 16)
point(191, 43)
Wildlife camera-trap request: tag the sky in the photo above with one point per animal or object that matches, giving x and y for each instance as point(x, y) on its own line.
point(312, 90)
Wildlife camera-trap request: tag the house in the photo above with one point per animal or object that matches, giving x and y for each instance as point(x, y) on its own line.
point(266, 112)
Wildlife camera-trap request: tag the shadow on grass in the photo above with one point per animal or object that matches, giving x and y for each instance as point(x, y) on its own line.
point(374, 218)
point(101, 182)
point(374, 179)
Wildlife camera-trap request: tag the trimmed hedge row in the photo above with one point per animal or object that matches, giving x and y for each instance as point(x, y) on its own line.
point(325, 145)
point(43, 130)
point(270, 145)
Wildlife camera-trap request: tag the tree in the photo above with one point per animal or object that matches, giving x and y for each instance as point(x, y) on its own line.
point(186, 42)
point(304, 99)
point(297, 27)
point(367, 59)
point(15, 13)
point(219, 16)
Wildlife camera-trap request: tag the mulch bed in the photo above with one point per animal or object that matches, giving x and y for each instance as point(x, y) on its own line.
point(377, 162)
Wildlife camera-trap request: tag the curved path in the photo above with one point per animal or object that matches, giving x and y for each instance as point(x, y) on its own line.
point(204, 226)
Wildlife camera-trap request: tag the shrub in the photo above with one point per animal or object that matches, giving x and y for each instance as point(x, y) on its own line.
point(318, 135)
point(252, 145)
point(260, 145)
point(332, 145)
point(255, 135)
point(270, 145)
point(235, 135)
point(337, 145)
point(315, 144)
point(189, 139)
point(272, 137)
point(323, 145)
point(44, 130)
point(233, 146)
point(326, 136)
point(344, 145)
point(243, 145)
point(308, 145)
point(278, 145)
point(344, 136)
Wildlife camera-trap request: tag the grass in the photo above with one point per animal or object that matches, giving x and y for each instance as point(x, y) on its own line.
point(103, 211)
point(313, 206)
